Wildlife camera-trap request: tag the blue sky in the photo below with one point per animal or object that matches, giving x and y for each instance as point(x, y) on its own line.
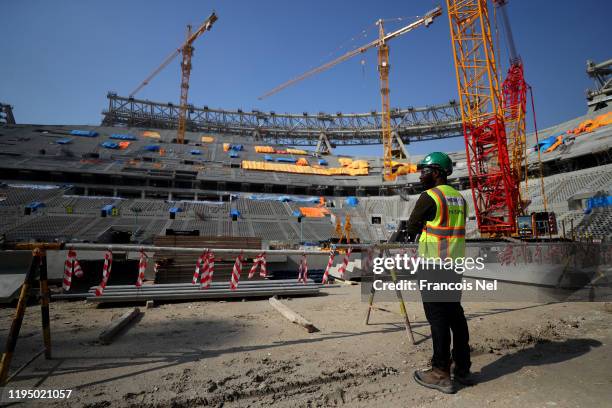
point(58, 59)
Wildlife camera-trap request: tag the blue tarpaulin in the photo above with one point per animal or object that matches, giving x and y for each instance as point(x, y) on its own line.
point(267, 157)
point(122, 137)
point(352, 201)
point(286, 159)
point(86, 133)
point(110, 145)
point(322, 162)
point(598, 202)
point(35, 205)
point(233, 155)
point(64, 141)
point(195, 152)
point(152, 148)
point(175, 210)
point(283, 198)
point(108, 208)
point(234, 212)
point(297, 213)
point(546, 143)
point(237, 148)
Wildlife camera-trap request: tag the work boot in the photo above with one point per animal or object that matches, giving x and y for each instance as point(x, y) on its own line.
point(464, 377)
point(435, 378)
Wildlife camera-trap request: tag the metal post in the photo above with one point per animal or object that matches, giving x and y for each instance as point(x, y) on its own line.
point(44, 306)
point(13, 335)
point(563, 227)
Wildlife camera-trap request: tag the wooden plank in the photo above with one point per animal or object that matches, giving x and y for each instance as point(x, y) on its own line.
point(107, 336)
point(291, 315)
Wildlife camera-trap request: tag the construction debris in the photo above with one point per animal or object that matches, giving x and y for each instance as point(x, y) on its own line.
point(107, 336)
point(292, 316)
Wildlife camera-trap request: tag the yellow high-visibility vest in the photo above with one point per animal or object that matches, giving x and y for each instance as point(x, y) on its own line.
point(444, 237)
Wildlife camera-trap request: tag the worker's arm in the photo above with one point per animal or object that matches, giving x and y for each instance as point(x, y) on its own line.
point(424, 210)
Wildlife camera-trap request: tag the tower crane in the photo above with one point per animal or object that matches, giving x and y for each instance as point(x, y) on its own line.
point(187, 50)
point(383, 69)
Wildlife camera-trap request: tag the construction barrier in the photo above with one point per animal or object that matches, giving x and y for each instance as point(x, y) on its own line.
point(106, 270)
point(303, 269)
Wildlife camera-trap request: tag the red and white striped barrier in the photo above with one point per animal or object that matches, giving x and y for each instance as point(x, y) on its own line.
point(142, 266)
point(236, 271)
point(207, 271)
point(199, 262)
point(106, 270)
point(332, 255)
point(303, 269)
point(71, 266)
point(259, 262)
point(345, 262)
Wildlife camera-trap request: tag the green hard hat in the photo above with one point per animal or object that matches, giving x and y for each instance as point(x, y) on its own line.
point(437, 159)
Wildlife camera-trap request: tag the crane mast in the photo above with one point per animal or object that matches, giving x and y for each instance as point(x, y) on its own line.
point(383, 69)
point(187, 50)
point(494, 187)
point(514, 89)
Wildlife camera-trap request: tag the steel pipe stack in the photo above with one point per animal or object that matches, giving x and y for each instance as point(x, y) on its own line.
point(188, 291)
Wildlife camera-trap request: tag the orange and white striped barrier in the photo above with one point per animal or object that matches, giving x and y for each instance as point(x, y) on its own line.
point(236, 271)
point(345, 262)
point(332, 255)
point(142, 266)
point(303, 269)
point(106, 270)
point(259, 262)
point(207, 271)
point(71, 266)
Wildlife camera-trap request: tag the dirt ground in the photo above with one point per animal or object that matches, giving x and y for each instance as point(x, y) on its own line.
point(245, 354)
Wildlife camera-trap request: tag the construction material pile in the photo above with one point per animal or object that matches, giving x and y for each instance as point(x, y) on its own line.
point(217, 290)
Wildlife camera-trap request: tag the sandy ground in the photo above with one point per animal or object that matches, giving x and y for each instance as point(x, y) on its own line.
point(245, 354)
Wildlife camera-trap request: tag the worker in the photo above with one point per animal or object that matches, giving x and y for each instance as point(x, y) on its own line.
point(438, 220)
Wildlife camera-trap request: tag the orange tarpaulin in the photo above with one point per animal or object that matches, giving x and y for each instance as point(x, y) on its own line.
point(207, 139)
point(124, 145)
point(302, 162)
point(226, 147)
point(314, 212)
point(264, 149)
point(151, 134)
point(591, 124)
point(292, 168)
point(554, 145)
point(296, 151)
